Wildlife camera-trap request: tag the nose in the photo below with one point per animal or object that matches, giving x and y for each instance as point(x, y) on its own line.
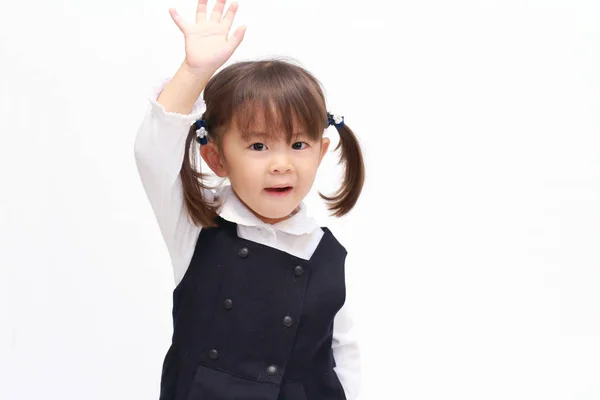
point(281, 162)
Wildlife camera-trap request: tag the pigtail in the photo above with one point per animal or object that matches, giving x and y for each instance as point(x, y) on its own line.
point(200, 210)
point(354, 175)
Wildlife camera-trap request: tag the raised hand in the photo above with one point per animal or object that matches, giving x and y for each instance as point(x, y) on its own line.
point(207, 45)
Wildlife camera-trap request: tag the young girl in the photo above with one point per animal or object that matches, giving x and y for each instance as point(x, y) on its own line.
point(258, 308)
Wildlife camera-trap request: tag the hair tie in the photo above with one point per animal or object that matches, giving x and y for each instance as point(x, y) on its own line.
point(201, 131)
point(336, 120)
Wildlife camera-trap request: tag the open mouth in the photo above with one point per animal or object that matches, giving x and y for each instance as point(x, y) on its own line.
point(279, 190)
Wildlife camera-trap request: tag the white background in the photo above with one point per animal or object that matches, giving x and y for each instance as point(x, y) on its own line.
point(474, 250)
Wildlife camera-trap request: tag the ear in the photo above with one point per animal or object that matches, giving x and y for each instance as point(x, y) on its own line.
point(211, 155)
point(324, 147)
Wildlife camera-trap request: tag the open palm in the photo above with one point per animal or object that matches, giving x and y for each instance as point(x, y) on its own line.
point(207, 45)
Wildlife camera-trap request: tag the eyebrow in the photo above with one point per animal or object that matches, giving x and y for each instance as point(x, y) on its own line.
point(250, 136)
point(255, 134)
point(263, 135)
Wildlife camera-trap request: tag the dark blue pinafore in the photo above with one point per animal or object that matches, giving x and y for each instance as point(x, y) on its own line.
point(252, 322)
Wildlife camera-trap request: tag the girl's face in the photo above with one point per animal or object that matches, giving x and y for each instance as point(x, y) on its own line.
point(270, 175)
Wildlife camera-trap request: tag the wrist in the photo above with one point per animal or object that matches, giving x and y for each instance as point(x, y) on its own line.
point(195, 75)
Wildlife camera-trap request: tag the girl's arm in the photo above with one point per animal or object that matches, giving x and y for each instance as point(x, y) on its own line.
point(159, 149)
point(181, 93)
point(346, 353)
point(160, 140)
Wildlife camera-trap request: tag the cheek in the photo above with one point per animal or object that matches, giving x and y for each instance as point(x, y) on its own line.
point(244, 169)
point(309, 162)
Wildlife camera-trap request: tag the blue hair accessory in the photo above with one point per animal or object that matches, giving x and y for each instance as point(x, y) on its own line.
point(336, 120)
point(201, 131)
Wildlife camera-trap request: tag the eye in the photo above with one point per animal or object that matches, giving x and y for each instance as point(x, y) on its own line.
point(258, 146)
point(299, 145)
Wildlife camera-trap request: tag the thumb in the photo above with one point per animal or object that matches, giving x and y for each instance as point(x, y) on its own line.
point(177, 19)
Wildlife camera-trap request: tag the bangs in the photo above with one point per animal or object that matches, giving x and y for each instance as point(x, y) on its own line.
point(279, 102)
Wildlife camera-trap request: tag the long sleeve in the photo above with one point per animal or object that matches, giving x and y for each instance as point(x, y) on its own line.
point(346, 352)
point(159, 149)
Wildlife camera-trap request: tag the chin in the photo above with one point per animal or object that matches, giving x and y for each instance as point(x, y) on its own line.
point(277, 212)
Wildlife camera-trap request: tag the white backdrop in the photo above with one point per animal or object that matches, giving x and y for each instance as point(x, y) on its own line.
point(474, 252)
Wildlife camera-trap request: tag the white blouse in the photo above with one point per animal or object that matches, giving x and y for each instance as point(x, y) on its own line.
point(159, 151)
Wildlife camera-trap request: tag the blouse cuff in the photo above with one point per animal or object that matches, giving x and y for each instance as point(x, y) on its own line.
point(173, 117)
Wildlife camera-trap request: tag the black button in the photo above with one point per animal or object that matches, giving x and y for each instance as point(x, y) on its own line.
point(228, 304)
point(243, 252)
point(213, 354)
point(272, 370)
point(288, 321)
point(298, 270)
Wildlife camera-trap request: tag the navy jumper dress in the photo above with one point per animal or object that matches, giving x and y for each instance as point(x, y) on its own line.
point(252, 322)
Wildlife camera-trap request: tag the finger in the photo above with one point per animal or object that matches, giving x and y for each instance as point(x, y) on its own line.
point(230, 15)
point(218, 11)
point(237, 37)
point(201, 11)
point(177, 19)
